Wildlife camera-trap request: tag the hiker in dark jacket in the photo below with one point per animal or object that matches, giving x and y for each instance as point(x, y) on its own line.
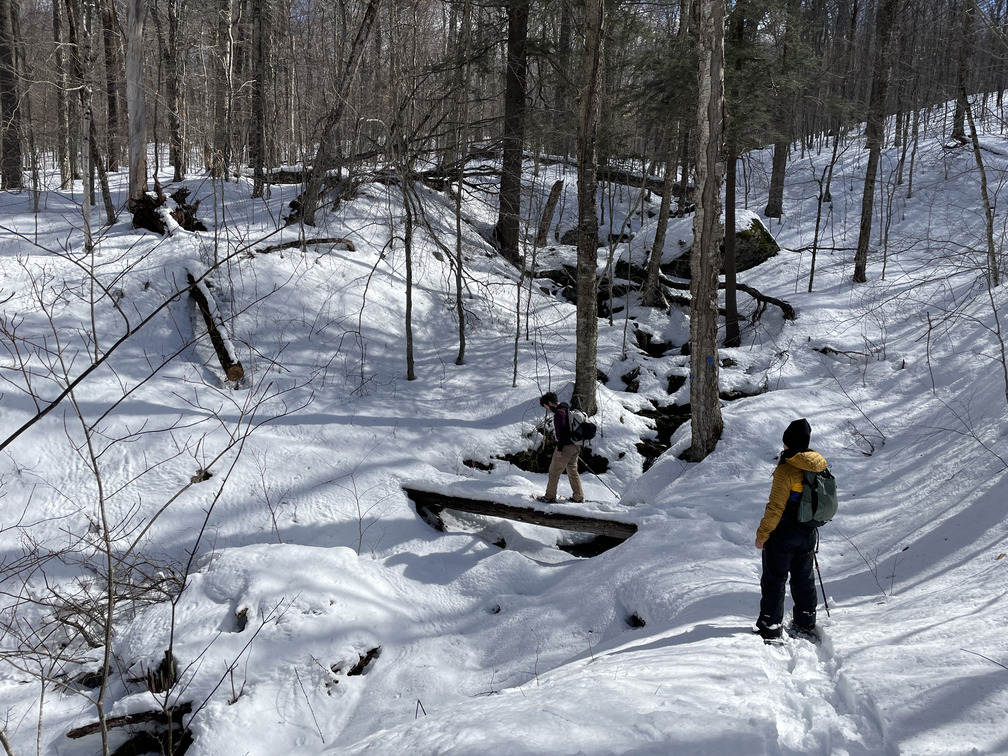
point(788, 547)
point(565, 457)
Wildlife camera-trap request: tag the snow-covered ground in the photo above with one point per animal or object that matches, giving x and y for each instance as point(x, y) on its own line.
point(301, 554)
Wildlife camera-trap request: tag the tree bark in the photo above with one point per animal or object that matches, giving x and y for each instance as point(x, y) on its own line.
point(542, 236)
point(965, 29)
point(223, 84)
point(113, 65)
point(586, 368)
point(461, 149)
point(257, 151)
point(136, 15)
point(874, 129)
point(513, 137)
point(173, 90)
point(63, 152)
point(562, 115)
point(408, 247)
point(732, 335)
point(775, 200)
point(652, 290)
point(11, 159)
point(705, 261)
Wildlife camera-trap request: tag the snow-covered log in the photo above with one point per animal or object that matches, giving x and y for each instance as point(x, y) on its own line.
point(215, 327)
point(434, 502)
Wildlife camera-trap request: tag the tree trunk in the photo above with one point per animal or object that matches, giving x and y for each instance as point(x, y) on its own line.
point(732, 336)
point(113, 65)
point(513, 137)
point(705, 260)
point(652, 289)
point(408, 245)
point(257, 152)
point(136, 15)
point(11, 159)
point(775, 201)
point(173, 90)
point(586, 368)
point(63, 151)
point(546, 219)
point(223, 84)
point(874, 129)
point(965, 50)
point(560, 139)
point(461, 150)
point(96, 161)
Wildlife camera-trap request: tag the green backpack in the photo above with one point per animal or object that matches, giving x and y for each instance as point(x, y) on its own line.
point(818, 502)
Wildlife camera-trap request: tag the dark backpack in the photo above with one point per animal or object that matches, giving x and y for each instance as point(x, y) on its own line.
point(581, 429)
point(818, 503)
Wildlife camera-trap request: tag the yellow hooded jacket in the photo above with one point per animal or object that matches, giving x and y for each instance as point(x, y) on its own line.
point(788, 476)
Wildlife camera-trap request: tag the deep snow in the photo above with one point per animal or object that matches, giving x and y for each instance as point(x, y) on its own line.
point(308, 554)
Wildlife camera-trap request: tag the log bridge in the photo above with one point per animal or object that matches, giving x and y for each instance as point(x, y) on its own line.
point(429, 506)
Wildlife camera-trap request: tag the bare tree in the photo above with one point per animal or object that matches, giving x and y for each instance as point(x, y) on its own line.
point(705, 261)
point(64, 154)
point(586, 367)
point(513, 137)
point(325, 155)
point(113, 68)
point(223, 89)
point(875, 129)
point(463, 46)
point(261, 24)
point(136, 16)
point(11, 159)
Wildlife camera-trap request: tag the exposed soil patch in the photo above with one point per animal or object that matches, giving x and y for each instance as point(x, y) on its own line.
point(675, 382)
point(650, 345)
point(475, 464)
point(538, 460)
point(667, 420)
point(632, 380)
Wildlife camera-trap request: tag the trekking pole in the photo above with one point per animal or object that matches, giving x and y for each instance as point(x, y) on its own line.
point(815, 561)
point(600, 478)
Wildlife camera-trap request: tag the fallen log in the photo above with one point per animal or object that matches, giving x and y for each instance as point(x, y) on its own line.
point(433, 503)
point(306, 243)
point(161, 716)
point(786, 308)
point(222, 346)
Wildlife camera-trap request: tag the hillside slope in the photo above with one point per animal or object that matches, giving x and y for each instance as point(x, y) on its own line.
point(307, 556)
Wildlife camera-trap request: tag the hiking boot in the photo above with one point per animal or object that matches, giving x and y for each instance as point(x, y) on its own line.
point(578, 501)
point(768, 634)
point(548, 500)
point(801, 631)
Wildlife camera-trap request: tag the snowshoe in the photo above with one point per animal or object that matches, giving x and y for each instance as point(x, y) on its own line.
point(810, 634)
point(772, 636)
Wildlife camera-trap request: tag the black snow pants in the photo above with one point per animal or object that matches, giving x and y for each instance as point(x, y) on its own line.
point(789, 550)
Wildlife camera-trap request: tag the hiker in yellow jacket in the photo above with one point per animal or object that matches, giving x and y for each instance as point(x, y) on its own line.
point(788, 546)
